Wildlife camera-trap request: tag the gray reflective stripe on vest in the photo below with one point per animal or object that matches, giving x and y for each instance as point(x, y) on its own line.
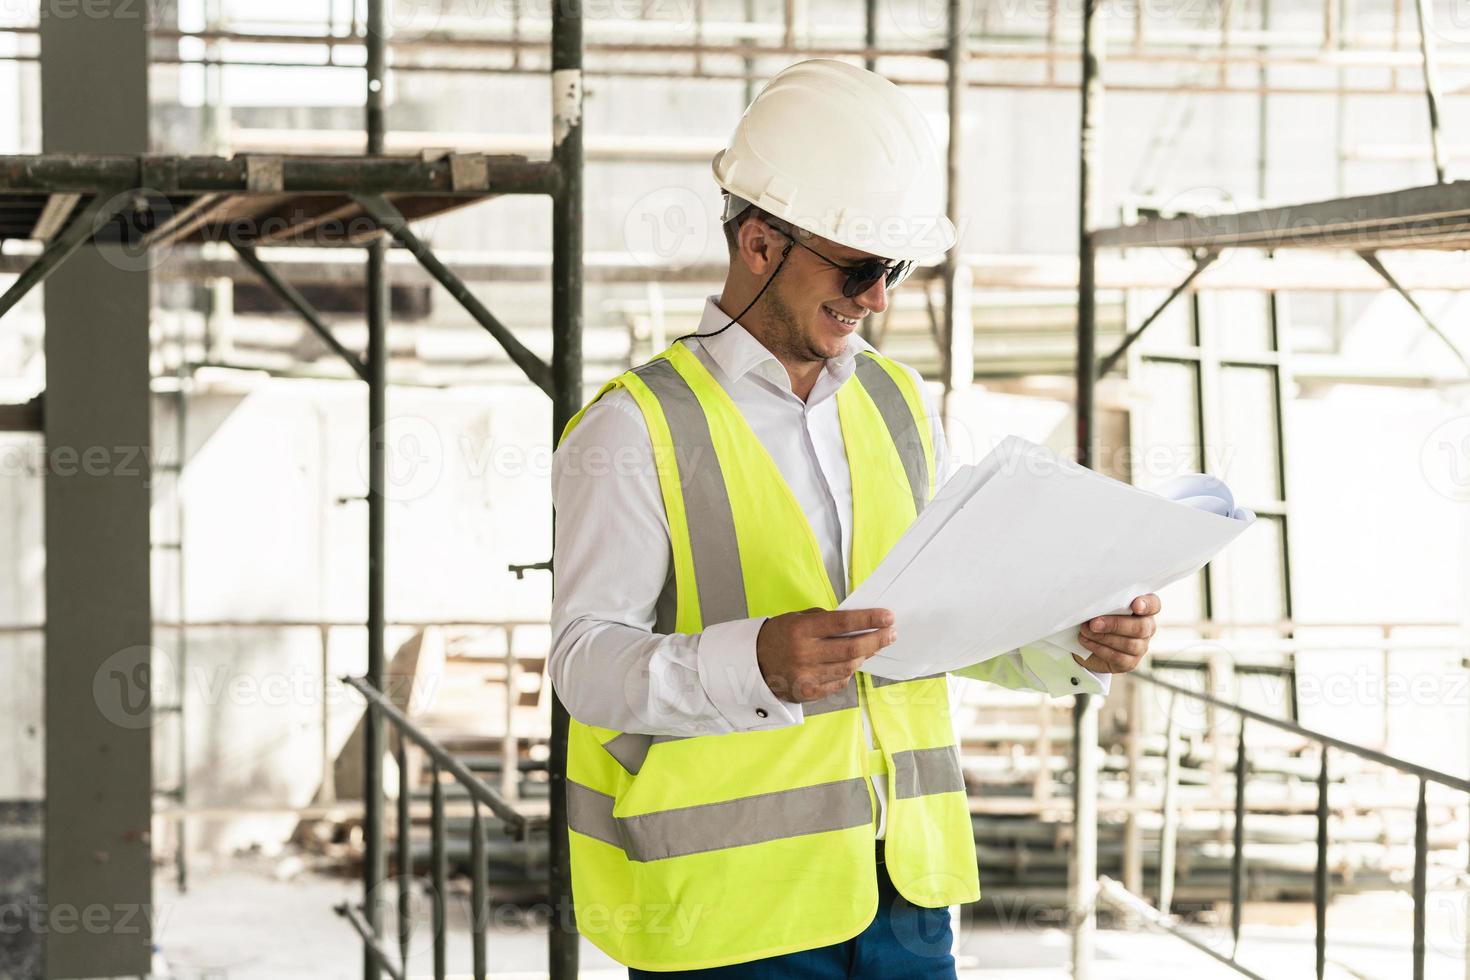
point(902, 428)
point(845, 698)
point(631, 750)
point(717, 573)
point(885, 681)
point(688, 830)
point(590, 812)
point(666, 608)
point(920, 772)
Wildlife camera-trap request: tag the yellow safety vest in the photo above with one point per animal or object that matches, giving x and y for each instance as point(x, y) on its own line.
point(690, 853)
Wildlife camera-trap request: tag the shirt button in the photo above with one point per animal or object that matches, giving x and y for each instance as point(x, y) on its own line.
point(761, 712)
point(1075, 682)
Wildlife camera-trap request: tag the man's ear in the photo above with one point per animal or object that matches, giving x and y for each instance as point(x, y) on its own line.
point(759, 245)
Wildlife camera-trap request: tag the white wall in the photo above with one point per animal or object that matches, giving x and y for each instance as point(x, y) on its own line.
point(276, 530)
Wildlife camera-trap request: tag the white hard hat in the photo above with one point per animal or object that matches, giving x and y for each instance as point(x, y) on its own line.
point(841, 152)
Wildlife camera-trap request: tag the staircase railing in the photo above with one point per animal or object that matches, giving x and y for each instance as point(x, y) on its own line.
point(482, 798)
point(1116, 895)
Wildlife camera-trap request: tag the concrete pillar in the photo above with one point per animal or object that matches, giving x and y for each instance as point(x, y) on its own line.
point(94, 98)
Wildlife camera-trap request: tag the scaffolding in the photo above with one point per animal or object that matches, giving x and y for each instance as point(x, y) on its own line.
point(1031, 55)
point(1433, 217)
point(258, 200)
point(148, 202)
point(998, 53)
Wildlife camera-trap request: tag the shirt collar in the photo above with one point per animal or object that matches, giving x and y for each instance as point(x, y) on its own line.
point(736, 351)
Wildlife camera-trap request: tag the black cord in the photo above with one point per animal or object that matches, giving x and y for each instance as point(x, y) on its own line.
point(784, 252)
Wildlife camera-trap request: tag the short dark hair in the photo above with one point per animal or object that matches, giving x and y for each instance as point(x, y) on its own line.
point(732, 227)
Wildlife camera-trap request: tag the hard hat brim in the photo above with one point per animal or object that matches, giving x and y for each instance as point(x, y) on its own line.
point(882, 233)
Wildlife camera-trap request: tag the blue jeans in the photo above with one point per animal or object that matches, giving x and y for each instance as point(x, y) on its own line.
point(903, 942)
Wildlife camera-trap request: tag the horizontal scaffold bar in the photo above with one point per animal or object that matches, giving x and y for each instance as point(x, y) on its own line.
point(468, 173)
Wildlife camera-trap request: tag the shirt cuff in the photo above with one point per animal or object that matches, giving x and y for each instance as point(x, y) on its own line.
point(732, 679)
point(1059, 674)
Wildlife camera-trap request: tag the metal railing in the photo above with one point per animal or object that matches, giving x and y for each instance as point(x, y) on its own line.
point(1115, 894)
point(482, 798)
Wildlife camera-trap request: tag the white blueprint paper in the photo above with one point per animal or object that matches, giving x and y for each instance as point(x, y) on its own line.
point(1020, 548)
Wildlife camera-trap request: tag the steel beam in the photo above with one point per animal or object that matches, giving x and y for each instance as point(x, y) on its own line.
point(1201, 263)
point(374, 858)
point(293, 298)
point(870, 36)
point(748, 60)
point(101, 209)
point(1169, 832)
point(439, 870)
point(1431, 86)
point(404, 870)
point(683, 75)
point(1133, 830)
point(1433, 216)
point(957, 353)
point(57, 209)
point(1296, 270)
point(391, 220)
point(1421, 877)
point(1377, 265)
point(565, 388)
point(1321, 879)
point(1266, 46)
point(479, 898)
point(1083, 863)
point(1088, 160)
point(372, 174)
point(374, 854)
point(1237, 853)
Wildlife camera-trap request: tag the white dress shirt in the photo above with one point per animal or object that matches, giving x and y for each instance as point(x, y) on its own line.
point(612, 557)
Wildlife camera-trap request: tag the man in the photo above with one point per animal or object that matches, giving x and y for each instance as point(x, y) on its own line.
point(744, 801)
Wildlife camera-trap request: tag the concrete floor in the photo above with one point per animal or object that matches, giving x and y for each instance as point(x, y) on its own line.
point(20, 886)
point(242, 922)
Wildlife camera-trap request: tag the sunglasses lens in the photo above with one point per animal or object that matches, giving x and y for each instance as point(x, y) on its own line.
point(860, 278)
point(899, 273)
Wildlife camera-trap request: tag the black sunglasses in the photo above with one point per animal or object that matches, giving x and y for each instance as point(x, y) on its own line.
point(862, 275)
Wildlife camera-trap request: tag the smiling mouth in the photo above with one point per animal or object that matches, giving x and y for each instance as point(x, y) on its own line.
point(850, 321)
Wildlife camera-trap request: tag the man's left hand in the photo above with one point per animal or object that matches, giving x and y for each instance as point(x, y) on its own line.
point(1118, 643)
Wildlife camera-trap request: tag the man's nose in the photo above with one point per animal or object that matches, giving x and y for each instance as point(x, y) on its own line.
point(875, 297)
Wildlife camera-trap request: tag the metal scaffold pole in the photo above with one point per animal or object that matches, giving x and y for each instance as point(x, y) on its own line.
point(1086, 252)
point(957, 358)
point(374, 864)
point(1432, 98)
point(1084, 712)
point(566, 378)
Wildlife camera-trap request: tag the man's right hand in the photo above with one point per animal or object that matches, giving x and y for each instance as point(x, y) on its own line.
point(803, 658)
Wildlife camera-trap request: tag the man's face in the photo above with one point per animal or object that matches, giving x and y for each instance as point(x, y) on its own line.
point(811, 319)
